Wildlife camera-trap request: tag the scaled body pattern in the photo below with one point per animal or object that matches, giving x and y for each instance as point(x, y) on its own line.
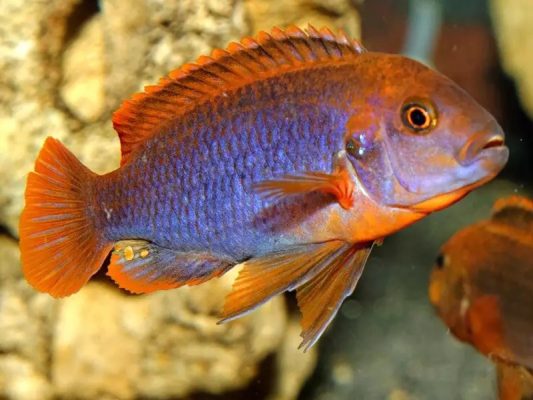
point(290, 153)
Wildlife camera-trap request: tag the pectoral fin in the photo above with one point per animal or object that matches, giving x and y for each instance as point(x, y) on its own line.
point(141, 267)
point(264, 277)
point(484, 319)
point(320, 298)
point(337, 184)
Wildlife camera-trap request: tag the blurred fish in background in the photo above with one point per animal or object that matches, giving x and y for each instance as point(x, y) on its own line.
point(482, 288)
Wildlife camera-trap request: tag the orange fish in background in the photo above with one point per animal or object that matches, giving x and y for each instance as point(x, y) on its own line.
point(290, 154)
point(482, 288)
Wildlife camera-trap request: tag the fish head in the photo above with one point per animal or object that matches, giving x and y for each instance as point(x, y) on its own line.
point(417, 140)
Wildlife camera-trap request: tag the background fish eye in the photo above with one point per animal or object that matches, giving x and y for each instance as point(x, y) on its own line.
point(419, 116)
point(439, 261)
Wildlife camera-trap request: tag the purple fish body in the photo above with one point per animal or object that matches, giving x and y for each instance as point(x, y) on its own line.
point(226, 148)
point(290, 155)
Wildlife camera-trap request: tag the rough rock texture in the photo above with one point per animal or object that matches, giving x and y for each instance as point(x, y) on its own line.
point(102, 343)
point(66, 66)
point(26, 320)
point(265, 14)
point(514, 33)
point(164, 345)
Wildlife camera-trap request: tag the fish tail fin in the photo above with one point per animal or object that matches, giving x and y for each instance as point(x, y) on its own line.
point(60, 247)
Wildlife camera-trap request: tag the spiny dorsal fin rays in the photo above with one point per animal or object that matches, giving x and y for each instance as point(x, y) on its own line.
point(240, 64)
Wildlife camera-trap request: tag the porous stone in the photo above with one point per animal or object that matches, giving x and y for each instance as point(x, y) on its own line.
point(82, 88)
point(163, 345)
point(265, 14)
point(25, 331)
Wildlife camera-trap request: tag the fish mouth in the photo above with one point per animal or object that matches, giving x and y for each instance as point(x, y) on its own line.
point(480, 160)
point(494, 142)
point(482, 169)
point(486, 144)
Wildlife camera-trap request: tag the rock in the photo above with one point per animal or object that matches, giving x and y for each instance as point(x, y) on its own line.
point(149, 40)
point(27, 90)
point(292, 364)
point(83, 72)
point(164, 345)
point(265, 14)
point(19, 380)
point(514, 34)
point(25, 327)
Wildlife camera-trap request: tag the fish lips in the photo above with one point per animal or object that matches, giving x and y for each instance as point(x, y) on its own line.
point(481, 169)
point(486, 164)
point(483, 156)
point(486, 147)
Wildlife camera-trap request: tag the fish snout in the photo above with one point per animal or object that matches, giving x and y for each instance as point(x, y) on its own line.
point(489, 143)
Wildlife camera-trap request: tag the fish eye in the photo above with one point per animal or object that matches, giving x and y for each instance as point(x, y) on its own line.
point(439, 262)
point(419, 116)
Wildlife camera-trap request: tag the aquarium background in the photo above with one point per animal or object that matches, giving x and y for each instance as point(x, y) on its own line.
point(66, 65)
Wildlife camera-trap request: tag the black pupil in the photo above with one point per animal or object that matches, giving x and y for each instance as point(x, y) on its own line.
point(440, 261)
point(418, 117)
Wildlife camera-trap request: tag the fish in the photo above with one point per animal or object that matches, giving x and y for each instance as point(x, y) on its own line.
point(482, 288)
point(289, 154)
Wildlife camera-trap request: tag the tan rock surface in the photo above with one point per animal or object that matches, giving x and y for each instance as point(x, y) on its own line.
point(265, 14)
point(66, 65)
point(163, 345)
point(25, 330)
point(512, 20)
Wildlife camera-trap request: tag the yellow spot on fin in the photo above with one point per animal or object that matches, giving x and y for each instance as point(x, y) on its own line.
point(128, 253)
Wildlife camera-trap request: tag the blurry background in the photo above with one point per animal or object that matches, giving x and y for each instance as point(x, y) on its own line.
point(65, 67)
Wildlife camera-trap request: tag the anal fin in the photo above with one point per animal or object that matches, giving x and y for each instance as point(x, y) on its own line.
point(320, 298)
point(140, 266)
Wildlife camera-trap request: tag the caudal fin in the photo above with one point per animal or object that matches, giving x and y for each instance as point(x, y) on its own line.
point(60, 248)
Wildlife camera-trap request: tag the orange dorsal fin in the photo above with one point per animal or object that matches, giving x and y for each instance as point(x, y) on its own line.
point(240, 64)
